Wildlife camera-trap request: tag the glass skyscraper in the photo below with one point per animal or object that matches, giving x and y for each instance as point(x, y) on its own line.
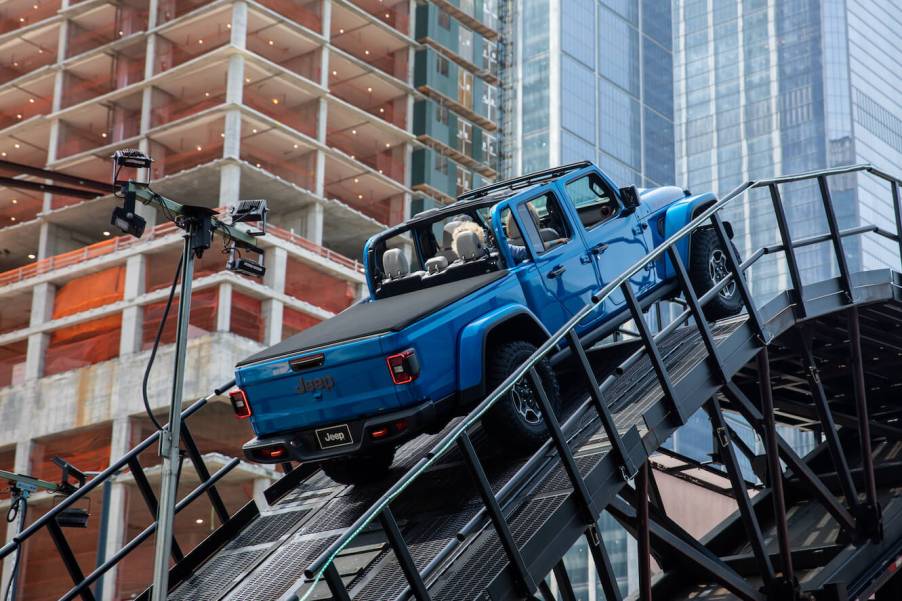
point(591, 79)
point(764, 87)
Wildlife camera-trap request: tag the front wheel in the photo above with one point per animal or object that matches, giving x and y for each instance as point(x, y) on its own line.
point(360, 469)
point(708, 265)
point(515, 420)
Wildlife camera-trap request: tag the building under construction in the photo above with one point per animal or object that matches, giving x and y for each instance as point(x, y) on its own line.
point(345, 116)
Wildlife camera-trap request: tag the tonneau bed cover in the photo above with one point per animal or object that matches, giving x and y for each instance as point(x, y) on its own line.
point(369, 318)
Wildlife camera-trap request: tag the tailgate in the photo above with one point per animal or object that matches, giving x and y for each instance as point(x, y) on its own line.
point(349, 381)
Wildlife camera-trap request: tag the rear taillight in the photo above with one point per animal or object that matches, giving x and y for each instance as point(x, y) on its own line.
point(403, 367)
point(239, 404)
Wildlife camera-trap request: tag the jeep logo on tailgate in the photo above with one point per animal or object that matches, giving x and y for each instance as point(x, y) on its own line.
point(335, 436)
point(314, 384)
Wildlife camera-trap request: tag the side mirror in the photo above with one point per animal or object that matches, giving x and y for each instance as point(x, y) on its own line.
point(629, 196)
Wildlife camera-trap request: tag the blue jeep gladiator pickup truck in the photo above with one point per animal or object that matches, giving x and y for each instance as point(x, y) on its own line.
point(459, 296)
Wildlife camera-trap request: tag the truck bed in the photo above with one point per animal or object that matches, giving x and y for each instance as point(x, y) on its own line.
point(370, 318)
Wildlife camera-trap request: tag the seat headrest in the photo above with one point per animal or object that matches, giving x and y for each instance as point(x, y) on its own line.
point(467, 245)
point(436, 264)
point(395, 264)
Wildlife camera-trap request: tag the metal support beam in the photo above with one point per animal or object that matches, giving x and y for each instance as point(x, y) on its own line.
point(774, 469)
point(739, 276)
point(525, 580)
point(68, 557)
point(583, 497)
point(654, 355)
point(603, 566)
point(601, 407)
point(565, 587)
point(897, 211)
point(788, 250)
point(697, 313)
point(871, 510)
point(676, 541)
point(336, 586)
point(402, 554)
point(740, 493)
point(644, 535)
point(203, 474)
point(845, 275)
point(826, 418)
point(814, 485)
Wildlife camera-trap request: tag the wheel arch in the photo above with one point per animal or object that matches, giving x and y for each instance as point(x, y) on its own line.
point(511, 322)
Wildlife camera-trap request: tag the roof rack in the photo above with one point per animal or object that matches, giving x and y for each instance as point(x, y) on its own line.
point(523, 181)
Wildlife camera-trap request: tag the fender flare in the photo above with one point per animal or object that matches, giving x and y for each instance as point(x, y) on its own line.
point(472, 345)
point(678, 215)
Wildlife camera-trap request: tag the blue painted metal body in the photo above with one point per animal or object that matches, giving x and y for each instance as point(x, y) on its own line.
point(451, 342)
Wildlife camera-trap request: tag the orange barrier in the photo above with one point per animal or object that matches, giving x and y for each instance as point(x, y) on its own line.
point(295, 321)
point(245, 318)
point(204, 304)
point(12, 362)
point(318, 288)
point(93, 342)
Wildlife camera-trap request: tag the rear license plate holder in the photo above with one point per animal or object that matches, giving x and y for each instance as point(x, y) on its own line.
point(334, 436)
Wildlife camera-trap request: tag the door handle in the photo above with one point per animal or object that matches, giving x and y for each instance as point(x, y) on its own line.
point(556, 271)
point(598, 248)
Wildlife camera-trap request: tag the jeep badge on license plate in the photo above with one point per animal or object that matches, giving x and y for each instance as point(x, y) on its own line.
point(334, 436)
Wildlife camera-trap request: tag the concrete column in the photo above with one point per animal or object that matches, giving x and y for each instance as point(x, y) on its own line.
point(235, 78)
point(322, 120)
point(229, 184)
point(273, 310)
point(239, 25)
point(319, 183)
point(273, 316)
point(22, 466)
point(133, 317)
point(224, 308)
point(313, 223)
point(276, 268)
point(41, 312)
point(327, 19)
point(117, 504)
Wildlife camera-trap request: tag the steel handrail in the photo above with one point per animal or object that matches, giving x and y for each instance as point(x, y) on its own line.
point(318, 567)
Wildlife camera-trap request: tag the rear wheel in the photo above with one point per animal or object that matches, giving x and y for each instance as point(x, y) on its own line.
point(708, 265)
point(360, 469)
point(516, 420)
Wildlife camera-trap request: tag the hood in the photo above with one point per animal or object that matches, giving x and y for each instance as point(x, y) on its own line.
point(656, 198)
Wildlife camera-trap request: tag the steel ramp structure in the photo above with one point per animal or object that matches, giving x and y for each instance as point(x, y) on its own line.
point(460, 519)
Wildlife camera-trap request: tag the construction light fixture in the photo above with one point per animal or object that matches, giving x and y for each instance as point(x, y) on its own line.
point(73, 517)
point(239, 264)
point(125, 218)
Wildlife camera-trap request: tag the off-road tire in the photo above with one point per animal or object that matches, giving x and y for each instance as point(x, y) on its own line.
point(360, 469)
point(707, 266)
point(505, 425)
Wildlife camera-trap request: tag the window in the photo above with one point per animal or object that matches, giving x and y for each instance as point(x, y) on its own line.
point(464, 137)
point(441, 65)
point(444, 19)
point(465, 88)
point(441, 163)
point(464, 180)
point(594, 201)
point(441, 113)
point(546, 215)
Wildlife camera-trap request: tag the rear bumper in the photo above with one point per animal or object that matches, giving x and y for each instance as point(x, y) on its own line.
point(303, 445)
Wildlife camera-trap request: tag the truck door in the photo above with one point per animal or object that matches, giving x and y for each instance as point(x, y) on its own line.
point(616, 238)
point(559, 252)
